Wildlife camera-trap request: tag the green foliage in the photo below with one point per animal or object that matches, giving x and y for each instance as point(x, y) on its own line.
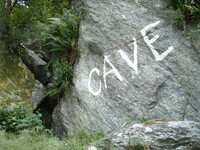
point(21, 17)
point(187, 11)
point(62, 74)
point(58, 4)
point(62, 35)
point(41, 10)
point(19, 118)
point(16, 20)
point(63, 32)
point(24, 19)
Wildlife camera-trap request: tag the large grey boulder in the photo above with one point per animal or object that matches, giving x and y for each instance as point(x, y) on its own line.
point(133, 63)
point(155, 135)
point(37, 66)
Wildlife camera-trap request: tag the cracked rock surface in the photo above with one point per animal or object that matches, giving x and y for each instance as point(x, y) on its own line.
point(133, 63)
point(158, 135)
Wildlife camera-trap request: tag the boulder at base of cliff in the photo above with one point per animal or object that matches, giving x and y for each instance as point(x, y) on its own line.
point(18, 85)
point(155, 135)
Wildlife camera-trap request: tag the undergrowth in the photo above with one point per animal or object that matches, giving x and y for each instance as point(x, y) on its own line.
point(187, 12)
point(20, 129)
point(61, 36)
point(16, 119)
point(44, 141)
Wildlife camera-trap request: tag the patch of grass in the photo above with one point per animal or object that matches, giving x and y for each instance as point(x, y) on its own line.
point(27, 141)
point(44, 141)
point(81, 140)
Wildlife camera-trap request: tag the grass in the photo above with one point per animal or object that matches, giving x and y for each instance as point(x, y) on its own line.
point(26, 141)
point(142, 119)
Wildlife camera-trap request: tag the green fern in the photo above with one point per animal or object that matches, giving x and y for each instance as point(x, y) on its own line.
point(63, 31)
point(61, 36)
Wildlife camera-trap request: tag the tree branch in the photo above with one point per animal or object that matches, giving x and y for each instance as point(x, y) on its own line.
point(15, 2)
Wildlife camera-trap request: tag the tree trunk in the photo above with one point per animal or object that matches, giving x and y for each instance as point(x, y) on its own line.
point(5, 10)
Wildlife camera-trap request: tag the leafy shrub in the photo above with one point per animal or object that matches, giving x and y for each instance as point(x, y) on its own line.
point(63, 32)
point(62, 74)
point(62, 35)
point(41, 10)
point(187, 11)
point(19, 118)
point(61, 4)
point(21, 16)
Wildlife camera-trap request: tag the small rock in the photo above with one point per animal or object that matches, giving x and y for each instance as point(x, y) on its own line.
point(92, 148)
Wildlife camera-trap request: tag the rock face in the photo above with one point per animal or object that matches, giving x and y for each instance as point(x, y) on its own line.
point(159, 135)
point(38, 94)
point(37, 66)
point(17, 83)
point(133, 63)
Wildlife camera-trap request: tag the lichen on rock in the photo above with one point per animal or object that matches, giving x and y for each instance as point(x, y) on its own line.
point(17, 83)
